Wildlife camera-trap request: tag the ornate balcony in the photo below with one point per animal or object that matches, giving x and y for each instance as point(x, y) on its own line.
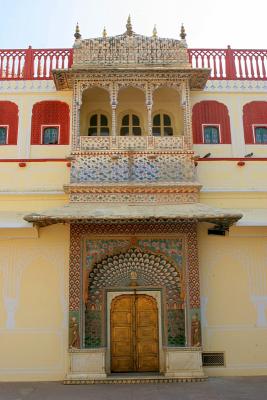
point(131, 143)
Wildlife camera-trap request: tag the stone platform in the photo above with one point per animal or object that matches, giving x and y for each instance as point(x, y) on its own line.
point(133, 379)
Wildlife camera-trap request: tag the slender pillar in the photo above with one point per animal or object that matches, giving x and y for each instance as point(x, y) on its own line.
point(185, 103)
point(76, 108)
point(114, 103)
point(149, 105)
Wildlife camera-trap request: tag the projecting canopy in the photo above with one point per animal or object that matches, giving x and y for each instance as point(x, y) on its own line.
point(81, 213)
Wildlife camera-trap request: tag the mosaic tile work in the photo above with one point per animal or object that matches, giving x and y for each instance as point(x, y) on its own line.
point(78, 231)
point(136, 198)
point(131, 143)
point(133, 167)
point(151, 270)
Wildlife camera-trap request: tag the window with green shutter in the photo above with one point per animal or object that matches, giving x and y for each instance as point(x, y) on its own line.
point(50, 135)
point(260, 134)
point(211, 134)
point(3, 135)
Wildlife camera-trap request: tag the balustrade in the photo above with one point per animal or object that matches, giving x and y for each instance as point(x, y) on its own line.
point(232, 64)
point(137, 143)
point(24, 64)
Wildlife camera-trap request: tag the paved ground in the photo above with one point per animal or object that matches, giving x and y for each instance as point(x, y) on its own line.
point(252, 388)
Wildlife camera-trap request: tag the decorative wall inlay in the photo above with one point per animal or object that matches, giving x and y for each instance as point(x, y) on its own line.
point(133, 167)
point(195, 331)
point(149, 244)
point(135, 198)
point(142, 143)
point(144, 264)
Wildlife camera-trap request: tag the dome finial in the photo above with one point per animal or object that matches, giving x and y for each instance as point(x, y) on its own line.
point(104, 33)
point(77, 34)
point(155, 33)
point(129, 28)
point(182, 32)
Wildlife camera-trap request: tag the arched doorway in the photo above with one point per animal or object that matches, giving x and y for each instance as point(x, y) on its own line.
point(134, 334)
point(153, 270)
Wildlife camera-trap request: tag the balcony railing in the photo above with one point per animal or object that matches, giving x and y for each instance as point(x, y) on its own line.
point(31, 63)
point(231, 64)
point(131, 143)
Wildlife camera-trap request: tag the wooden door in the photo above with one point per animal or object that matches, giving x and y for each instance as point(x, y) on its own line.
point(134, 334)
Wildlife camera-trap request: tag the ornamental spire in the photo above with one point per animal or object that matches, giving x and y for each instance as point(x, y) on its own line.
point(104, 33)
point(154, 32)
point(129, 28)
point(77, 34)
point(182, 32)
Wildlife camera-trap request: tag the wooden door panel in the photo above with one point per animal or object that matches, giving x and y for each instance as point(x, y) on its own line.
point(122, 364)
point(134, 334)
point(148, 364)
point(147, 348)
point(147, 334)
point(145, 317)
point(122, 351)
point(122, 318)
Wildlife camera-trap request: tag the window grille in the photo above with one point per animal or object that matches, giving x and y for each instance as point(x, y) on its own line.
point(213, 359)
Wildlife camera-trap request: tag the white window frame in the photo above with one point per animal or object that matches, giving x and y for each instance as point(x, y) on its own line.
point(254, 133)
point(43, 127)
point(7, 133)
point(203, 137)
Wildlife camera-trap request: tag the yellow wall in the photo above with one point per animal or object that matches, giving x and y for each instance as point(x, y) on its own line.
point(34, 265)
point(233, 273)
point(131, 100)
point(34, 277)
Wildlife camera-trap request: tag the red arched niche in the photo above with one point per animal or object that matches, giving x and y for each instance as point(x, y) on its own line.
point(211, 112)
point(9, 116)
point(52, 113)
point(253, 113)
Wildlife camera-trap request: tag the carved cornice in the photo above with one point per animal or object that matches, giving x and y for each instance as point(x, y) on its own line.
point(235, 86)
point(64, 79)
point(129, 189)
point(122, 153)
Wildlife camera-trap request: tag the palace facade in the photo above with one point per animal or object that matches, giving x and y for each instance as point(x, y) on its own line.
point(133, 211)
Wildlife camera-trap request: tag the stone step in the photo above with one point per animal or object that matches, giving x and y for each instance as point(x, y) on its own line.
point(127, 379)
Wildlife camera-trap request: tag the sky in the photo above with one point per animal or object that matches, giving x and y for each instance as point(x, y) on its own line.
point(209, 24)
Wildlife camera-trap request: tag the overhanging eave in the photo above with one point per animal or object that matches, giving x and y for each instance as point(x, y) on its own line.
point(129, 214)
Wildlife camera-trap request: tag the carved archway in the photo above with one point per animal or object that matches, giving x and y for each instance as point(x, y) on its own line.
point(149, 270)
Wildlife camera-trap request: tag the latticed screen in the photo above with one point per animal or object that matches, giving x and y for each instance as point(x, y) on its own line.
point(3, 135)
point(213, 359)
